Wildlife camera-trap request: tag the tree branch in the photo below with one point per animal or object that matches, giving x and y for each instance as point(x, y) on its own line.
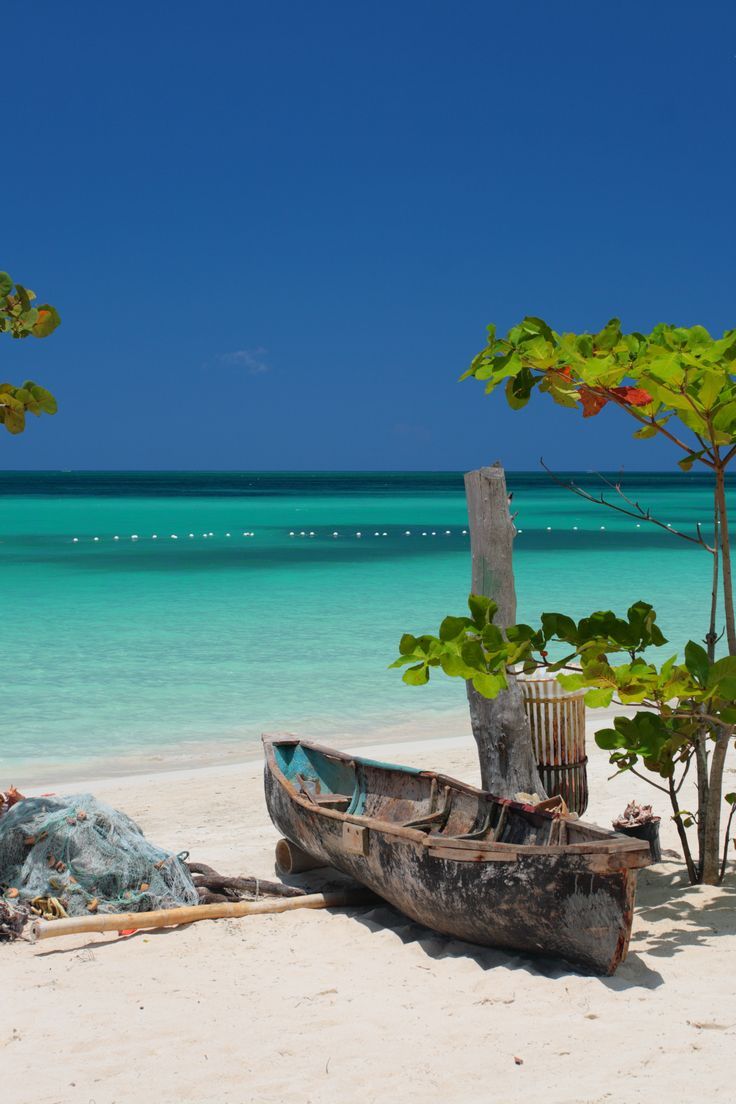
point(636, 512)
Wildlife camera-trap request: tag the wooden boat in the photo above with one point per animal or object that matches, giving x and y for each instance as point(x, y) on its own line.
point(460, 861)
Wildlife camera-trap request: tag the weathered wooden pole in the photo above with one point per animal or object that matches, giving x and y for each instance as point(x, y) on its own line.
point(500, 726)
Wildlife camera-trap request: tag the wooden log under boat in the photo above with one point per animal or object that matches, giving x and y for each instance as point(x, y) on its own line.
point(459, 860)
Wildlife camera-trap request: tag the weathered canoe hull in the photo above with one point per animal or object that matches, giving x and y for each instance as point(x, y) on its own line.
point(550, 902)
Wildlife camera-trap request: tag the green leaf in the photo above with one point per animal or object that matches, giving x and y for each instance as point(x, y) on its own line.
point(482, 609)
point(490, 686)
point(608, 739)
point(687, 461)
point(600, 698)
point(452, 627)
point(48, 320)
point(646, 432)
point(452, 664)
point(538, 326)
point(492, 638)
point(713, 383)
point(519, 389)
point(6, 285)
point(697, 662)
point(560, 626)
point(721, 669)
point(416, 676)
point(472, 653)
point(519, 634)
point(12, 412)
point(407, 644)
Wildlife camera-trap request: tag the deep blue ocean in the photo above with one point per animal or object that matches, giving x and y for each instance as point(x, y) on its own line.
point(249, 601)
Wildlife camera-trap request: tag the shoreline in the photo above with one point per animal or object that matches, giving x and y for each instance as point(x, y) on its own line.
point(387, 742)
point(204, 755)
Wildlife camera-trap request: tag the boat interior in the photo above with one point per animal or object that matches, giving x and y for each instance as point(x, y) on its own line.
point(421, 800)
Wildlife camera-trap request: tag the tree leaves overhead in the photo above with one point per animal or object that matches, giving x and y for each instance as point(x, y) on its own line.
point(673, 373)
point(20, 319)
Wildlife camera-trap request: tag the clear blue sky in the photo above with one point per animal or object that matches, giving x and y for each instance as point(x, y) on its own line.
point(276, 232)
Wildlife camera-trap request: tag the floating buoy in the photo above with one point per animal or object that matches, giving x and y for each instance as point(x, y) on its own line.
point(311, 532)
point(75, 540)
point(447, 532)
point(335, 534)
point(465, 532)
point(424, 534)
point(549, 528)
point(116, 538)
point(575, 528)
point(291, 534)
point(95, 538)
point(134, 536)
point(384, 534)
point(602, 527)
point(174, 536)
point(407, 533)
point(227, 534)
point(376, 534)
point(191, 534)
point(359, 534)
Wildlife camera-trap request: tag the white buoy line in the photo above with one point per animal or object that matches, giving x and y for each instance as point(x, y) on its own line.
point(307, 534)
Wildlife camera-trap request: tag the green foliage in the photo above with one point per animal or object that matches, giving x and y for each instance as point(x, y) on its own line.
point(676, 696)
point(21, 319)
point(674, 374)
point(474, 648)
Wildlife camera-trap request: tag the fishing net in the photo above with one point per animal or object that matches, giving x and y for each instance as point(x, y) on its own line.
point(86, 857)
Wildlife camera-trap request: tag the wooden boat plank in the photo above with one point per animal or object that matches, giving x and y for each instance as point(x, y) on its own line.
point(471, 856)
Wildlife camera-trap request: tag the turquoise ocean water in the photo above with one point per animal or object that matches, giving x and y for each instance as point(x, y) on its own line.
point(164, 647)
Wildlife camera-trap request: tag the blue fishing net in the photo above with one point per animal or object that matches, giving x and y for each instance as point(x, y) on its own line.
point(89, 857)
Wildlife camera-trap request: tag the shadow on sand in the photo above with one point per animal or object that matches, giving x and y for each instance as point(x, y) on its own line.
point(684, 915)
point(633, 973)
point(693, 915)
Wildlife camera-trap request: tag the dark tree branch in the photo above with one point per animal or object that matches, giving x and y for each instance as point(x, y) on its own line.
point(638, 512)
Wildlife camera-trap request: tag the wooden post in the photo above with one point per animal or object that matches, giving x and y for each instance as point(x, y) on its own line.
point(500, 726)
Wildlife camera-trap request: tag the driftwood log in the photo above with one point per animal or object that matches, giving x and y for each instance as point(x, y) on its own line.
point(500, 726)
point(213, 887)
point(188, 914)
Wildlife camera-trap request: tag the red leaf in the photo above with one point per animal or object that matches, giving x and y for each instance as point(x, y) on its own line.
point(592, 403)
point(634, 396)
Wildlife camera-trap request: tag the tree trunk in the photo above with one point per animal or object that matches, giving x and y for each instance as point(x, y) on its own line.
point(711, 871)
point(726, 561)
point(500, 726)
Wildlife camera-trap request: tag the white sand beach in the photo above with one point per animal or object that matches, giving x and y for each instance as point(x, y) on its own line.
point(313, 1006)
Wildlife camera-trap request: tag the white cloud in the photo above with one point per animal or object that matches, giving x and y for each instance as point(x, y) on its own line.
point(252, 360)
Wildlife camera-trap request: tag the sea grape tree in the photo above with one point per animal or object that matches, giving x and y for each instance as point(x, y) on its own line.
point(678, 383)
point(20, 318)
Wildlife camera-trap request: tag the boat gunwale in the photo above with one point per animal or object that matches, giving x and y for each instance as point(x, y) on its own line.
point(612, 844)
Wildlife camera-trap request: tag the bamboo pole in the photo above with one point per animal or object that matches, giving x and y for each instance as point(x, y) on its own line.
point(188, 914)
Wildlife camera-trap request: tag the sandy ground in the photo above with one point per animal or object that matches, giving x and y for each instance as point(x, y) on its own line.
point(365, 1005)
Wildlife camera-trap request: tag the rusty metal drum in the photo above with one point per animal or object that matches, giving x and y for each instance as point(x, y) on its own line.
point(557, 722)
